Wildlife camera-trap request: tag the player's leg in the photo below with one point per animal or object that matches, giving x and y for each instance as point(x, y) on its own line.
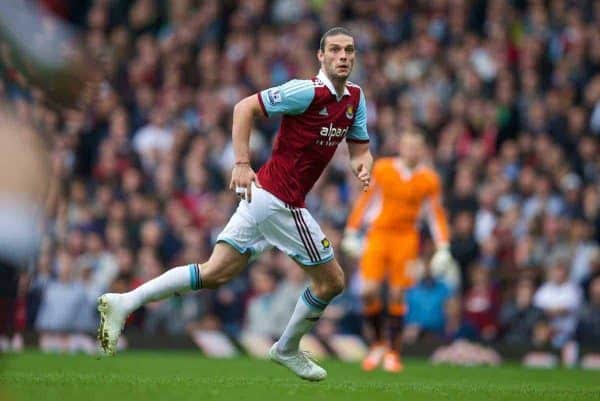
point(326, 282)
point(239, 240)
point(225, 263)
point(295, 232)
point(396, 310)
point(372, 272)
point(400, 279)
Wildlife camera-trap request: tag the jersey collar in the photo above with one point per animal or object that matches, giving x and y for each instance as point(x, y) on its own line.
point(325, 79)
point(405, 172)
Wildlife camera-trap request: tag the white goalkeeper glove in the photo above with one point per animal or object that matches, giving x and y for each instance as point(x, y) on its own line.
point(441, 261)
point(352, 243)
point(445, 268)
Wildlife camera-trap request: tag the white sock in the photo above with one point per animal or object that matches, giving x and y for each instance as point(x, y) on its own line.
point(308, 310)
point(177, 280)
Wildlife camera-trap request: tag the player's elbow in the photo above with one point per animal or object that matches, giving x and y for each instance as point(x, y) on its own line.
point(239, 107)
point(248, 106)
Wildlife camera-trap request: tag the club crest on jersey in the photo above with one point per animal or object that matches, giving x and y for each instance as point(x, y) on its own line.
point(325, 242)
point(274, 95)
point(349, 112)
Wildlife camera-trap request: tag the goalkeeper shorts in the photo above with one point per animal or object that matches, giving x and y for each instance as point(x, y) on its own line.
point(389, 256)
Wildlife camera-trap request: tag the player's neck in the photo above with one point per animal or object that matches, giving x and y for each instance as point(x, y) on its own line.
point(406, 165)
point(339, 85)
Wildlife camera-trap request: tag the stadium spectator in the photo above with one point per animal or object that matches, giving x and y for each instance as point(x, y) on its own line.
point(588, 327)
point(560, 300)
point(60, 307)
point(463, 245)
point(482, 303)
point(512, 112)
point(426, 307)
point(457, 327)
point(518, 316)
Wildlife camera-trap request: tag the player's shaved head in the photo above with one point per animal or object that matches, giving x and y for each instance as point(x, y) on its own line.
point(412, 146)
point(416, 132)
point(338, 30)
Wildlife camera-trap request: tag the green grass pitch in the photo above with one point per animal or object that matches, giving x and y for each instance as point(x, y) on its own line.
point(189, 376)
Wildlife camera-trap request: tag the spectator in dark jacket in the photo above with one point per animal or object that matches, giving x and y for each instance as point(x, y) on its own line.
point(518, 316)
point(588, 328)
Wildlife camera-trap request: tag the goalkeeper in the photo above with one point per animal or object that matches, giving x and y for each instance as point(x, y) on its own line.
point(402, 189)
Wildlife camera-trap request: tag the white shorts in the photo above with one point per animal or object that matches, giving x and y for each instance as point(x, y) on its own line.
point(268, 222)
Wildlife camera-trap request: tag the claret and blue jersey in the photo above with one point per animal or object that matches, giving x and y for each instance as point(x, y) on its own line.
point(314, 122)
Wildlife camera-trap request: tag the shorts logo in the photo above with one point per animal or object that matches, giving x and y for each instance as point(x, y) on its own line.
point(274, 95)
point(349, 112)
point(325, 242)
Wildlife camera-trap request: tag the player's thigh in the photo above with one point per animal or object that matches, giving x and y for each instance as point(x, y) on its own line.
point(238, 243)
point(242, 230)
point(373, 263)
point(296, 233)
point(370, 292)
point(406, 251)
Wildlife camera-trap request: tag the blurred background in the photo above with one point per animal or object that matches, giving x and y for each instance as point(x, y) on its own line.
point(508, 93)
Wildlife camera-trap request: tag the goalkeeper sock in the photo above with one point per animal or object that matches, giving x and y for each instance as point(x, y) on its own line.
point(375, 322)
point(395, 326)
point(373, 319)
point(177, 280)
point(309, 309)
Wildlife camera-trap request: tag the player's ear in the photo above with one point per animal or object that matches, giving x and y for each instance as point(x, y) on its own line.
point(320, 55)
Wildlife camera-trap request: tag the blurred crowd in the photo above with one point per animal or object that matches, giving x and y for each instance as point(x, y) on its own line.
point(508, 93)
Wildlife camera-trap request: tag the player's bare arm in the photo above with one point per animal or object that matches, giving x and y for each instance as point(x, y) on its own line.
point(361, 162)
point(242, 175)
point(412, 148)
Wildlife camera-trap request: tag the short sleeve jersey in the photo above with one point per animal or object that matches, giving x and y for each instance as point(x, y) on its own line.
point(314, 122)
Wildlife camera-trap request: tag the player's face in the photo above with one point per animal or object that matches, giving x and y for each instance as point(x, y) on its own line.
point(411, 149)
point(337, 59)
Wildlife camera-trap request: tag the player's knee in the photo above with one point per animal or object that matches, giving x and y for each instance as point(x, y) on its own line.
point(329, 287)
point(369, 298)
point(396, 295)
point(370, 293)
point(334, 285)
point(338, 285)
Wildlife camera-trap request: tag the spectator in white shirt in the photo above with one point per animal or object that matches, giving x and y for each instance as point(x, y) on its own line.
point(154, 140)
point(560, 300)
point(485, 219)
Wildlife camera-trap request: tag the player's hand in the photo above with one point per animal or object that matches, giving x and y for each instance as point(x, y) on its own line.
point(242, 177)
point(441, 261)
point(352, 243)
point(364, 176)
point(444, 267)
